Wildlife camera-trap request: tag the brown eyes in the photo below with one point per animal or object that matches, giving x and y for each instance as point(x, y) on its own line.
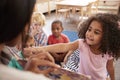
point(56, 29)
point(29, 45)
point(96, 32)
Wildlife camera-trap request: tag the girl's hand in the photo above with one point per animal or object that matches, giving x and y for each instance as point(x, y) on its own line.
point(67, 56)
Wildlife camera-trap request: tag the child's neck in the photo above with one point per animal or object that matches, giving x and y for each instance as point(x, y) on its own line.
point(95, 50)
point(57, 37)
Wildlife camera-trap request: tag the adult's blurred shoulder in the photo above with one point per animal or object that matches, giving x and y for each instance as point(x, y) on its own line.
point(17, 74)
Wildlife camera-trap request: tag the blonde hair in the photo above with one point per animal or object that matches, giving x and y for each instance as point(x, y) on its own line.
point(39, 18)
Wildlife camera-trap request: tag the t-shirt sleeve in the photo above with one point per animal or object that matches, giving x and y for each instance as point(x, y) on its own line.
point(81, 43)
point(110, 57)
point(49, 40)
point(66, 39)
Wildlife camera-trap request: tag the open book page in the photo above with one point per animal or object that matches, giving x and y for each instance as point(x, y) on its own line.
point(62, 74)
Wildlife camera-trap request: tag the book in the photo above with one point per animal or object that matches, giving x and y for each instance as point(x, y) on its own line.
point(63, 74)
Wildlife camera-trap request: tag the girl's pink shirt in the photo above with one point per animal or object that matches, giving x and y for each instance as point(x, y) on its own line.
point(91, 64)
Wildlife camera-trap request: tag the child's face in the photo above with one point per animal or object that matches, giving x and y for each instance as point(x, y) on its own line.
point(36, 26)
point(94, 34)
point(30, 43)
point(56, 29)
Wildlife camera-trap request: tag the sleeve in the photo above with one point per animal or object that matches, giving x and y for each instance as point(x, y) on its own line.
point(81, 43)
point(72, 63)
point(110, 57)
point(49, 40)
point(43, 40)
point(66, 39)
point(7, 73)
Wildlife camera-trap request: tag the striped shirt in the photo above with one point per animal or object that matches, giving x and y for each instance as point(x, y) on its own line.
point(40, 38)
point(73, 62)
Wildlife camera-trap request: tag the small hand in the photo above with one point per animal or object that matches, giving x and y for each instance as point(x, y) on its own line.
point(67, 56)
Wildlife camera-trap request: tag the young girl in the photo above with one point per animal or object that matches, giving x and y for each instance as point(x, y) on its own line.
point(99, 44)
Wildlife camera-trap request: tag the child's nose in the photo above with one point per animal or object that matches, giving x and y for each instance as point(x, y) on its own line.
point(55, 31)
point(91, 33)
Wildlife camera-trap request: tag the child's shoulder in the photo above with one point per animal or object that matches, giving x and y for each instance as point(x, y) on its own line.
point(51, 35)
point(64, 35)
point(81, 40)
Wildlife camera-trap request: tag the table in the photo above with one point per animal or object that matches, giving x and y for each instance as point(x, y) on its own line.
point(80, 4)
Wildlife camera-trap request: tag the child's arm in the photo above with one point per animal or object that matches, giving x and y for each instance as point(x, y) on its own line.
point(67, 56)
point(110, 69)
point(56, 48)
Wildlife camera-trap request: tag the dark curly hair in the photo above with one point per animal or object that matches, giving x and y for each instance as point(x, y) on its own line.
point(58, 22)
point(111, 32)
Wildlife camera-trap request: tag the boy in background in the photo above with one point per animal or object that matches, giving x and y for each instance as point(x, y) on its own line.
point(58, 37)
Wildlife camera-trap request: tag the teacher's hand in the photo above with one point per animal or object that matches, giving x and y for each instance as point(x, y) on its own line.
point(41, 63)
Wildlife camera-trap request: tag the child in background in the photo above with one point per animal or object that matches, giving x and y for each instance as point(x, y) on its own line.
point(57, 37)
point(98, 46)
point(29, 42)
point(37, 22)
point(14, 57)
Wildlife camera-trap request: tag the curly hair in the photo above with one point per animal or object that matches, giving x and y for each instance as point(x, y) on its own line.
point(58, 22)
point(111, 32)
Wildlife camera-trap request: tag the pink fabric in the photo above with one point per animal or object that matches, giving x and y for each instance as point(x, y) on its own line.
point(91, 64)
point(63, 39)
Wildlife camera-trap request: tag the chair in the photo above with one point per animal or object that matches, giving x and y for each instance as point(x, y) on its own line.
point(62, 10)
point(92, 8)
point(109, 6)
point(101, 6)
point(43, 1)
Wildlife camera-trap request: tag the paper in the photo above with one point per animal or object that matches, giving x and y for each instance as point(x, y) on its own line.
point(62, 74)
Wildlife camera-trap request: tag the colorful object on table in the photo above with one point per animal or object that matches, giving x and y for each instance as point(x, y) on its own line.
point(62, 74)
